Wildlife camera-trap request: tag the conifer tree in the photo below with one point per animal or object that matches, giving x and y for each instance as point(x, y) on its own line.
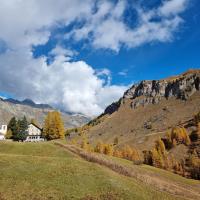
point(22, 129)
point(53, 126)
point(12, 126)
point(108, 149)
point(157, 158)
point(99, 147)
point(160, 146)
point(117, 153)
point(85, 145)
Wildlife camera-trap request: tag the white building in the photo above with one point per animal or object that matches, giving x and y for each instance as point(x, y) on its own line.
point(3, 131)
point(34, 133)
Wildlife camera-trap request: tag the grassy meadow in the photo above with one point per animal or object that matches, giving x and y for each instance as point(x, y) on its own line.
point(45, 171)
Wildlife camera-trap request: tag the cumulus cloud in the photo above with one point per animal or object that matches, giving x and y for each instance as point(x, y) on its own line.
point(109, 29)
point(74, 85)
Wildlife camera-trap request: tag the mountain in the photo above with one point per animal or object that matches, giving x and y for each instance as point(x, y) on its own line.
point(148, 109)
point(11, 107)
point(27, 102)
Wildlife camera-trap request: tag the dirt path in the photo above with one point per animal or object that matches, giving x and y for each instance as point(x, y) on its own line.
point(162, 184)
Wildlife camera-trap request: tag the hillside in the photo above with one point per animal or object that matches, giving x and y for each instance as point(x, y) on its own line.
point(147, 110)
point(45, 171)
point(11, 107)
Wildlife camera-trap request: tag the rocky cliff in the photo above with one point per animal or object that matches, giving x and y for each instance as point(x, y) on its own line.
point(152, 92)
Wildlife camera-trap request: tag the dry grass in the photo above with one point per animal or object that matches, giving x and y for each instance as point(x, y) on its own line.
point(105, 196)
point(160, 184)
point(45, 171)
point(128, 124)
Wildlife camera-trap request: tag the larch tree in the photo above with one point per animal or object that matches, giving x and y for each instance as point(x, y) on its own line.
point(53, 126)
point(99, 148)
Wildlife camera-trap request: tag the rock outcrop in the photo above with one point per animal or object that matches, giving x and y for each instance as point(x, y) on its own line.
point(152, 92)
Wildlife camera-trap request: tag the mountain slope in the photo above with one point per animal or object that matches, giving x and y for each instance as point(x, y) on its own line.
point(45, 171)
point(11, 107)
point(148, 109)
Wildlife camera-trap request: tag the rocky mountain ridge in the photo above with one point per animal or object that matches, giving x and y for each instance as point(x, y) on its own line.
point(147, 110)
point(27, 102)
point(12, 107)
point(152, 92)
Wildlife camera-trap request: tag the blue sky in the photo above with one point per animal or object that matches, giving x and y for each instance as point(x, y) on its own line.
point(88, 56)
point(150, 61)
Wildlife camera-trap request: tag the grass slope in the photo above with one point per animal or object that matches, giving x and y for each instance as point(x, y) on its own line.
point(159, 179)
point(45, 171)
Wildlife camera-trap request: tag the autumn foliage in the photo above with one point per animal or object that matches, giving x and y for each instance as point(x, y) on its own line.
point(177, 135)
point(53, 126)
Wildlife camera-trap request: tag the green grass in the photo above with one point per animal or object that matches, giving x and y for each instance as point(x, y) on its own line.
point(45, 171)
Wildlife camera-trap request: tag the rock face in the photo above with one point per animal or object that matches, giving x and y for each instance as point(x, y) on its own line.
point(152, 92)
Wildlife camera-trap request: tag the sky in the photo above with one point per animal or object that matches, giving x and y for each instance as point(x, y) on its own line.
point(80, 56)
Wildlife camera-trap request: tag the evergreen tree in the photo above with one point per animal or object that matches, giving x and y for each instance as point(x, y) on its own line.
point(22, 129)
point(12, 126)
point(53, 126)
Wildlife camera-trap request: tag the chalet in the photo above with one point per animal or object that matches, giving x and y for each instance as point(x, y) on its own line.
point(3, 131)
point(34, 133)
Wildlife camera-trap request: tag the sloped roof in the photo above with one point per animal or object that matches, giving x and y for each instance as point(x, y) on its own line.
point(35, 126)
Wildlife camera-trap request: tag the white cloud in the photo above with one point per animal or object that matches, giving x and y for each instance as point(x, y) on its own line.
point(74, 86)
point(109, 29)
point(122, 73)
point(173, 7)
